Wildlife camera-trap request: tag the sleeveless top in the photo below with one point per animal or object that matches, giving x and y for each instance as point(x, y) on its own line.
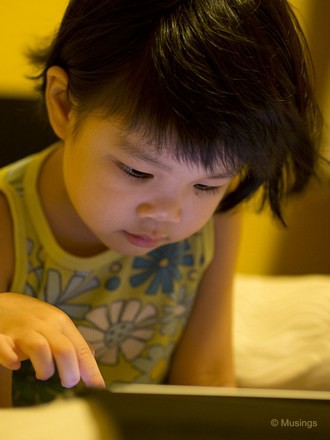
point(132, 310)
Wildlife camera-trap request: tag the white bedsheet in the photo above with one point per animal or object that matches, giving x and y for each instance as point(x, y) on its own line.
point(282, 331)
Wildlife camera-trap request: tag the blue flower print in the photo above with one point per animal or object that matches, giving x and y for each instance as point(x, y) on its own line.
point(114, 281)
point(162, 267)
point(121, 327)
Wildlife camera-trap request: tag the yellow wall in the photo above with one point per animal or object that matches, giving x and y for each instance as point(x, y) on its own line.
point(22, 24)
point(265, 248)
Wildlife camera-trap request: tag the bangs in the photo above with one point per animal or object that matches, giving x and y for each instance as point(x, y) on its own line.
point(215, 134)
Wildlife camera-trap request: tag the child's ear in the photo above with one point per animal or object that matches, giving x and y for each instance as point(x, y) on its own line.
point(57, 100)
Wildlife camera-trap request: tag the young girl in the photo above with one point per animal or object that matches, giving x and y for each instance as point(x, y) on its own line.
point(118, 243)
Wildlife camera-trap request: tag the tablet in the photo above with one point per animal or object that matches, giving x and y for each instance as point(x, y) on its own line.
point(166, 412)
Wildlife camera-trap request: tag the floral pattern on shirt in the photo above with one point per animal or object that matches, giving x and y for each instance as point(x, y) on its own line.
point(36, 269)
point(122, 327)
point(57, 294)
point(161, 267)
point(174, 315)
point(154, 365)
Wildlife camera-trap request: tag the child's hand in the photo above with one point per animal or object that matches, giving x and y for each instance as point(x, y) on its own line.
point(32, 329)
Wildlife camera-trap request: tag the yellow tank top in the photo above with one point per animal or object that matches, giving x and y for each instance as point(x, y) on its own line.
point(132, 310)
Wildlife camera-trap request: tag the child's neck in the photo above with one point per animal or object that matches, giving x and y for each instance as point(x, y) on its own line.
point(68, 229)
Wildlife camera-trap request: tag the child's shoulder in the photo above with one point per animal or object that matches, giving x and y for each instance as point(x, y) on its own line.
point(12, 176)
point(16, 170)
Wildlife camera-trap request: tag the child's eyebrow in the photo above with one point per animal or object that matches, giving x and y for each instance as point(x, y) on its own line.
point(224, 175)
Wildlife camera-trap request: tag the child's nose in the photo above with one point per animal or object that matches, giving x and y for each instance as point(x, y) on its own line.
point(162, 210)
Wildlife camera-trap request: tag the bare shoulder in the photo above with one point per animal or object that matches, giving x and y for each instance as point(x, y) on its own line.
point(7, 256)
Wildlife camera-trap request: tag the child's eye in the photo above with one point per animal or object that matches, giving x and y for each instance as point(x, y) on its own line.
point(208, 189)
point(135, 173)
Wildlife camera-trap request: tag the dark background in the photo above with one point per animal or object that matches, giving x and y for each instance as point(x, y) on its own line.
point(23, 129)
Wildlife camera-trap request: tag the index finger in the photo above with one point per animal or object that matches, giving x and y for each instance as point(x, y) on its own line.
point(89, 370)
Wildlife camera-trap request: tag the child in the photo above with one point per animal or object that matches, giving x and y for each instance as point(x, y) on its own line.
point(119, 241)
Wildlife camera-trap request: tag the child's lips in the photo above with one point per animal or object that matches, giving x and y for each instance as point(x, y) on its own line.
point(144, 240)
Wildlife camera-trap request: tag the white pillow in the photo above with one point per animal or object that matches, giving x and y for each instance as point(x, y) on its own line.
point(282, 331)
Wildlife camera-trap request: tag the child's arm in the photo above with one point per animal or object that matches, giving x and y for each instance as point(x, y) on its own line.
point(204, 355)
point(32, 329)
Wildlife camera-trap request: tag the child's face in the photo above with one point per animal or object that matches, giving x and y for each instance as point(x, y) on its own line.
point(131, 198)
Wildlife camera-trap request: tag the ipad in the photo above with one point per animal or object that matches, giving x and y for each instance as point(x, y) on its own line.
point(166, 412)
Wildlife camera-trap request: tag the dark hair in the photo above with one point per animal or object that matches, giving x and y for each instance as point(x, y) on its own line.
point(225, 80)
